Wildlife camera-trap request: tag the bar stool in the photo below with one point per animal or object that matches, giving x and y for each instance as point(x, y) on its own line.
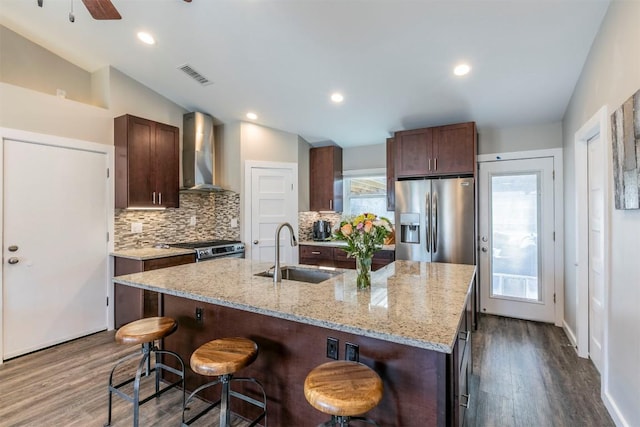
point(145, 332)
point(343, 389)
point(223, 358)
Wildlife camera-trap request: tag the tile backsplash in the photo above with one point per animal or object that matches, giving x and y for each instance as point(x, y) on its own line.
point(213, 213)
point(306, 220)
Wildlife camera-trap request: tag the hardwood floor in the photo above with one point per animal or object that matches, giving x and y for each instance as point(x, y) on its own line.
point(525, 374)
point(528, 374)
point(66, 385)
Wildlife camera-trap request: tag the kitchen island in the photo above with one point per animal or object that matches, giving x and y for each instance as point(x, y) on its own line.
point(412, 327)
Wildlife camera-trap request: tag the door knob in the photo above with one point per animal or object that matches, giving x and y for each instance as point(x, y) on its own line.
point(14, 260)
point(484, 238)
point(484, 249)
point(13, 248)
point(255, 242)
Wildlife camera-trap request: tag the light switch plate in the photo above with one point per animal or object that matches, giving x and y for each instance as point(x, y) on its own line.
point(192, 221)
point(234, 222)
point(136, 227)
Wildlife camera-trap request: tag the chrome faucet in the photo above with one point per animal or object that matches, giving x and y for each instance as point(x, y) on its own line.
point(277, 273)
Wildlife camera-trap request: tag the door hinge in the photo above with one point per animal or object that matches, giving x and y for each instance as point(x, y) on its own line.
point(554, 298)
point(291, 187)
point(107, 301)
point(107, 236)
point(107, 172)
point(554, 236)
point(553, 174)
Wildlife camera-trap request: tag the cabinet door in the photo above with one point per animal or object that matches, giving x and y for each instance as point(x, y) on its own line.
point(316, 255)
point(454, 149)
point(166, 157)
point(140, 161)
point(391, 176)
point(413, 152)
point(325, 179)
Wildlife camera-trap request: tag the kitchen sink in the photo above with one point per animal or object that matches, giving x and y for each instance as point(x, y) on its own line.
point(299, 274)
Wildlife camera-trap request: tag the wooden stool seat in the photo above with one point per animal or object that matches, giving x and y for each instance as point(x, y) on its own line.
point(223, 356)
point(343, 388)
point(146, 330)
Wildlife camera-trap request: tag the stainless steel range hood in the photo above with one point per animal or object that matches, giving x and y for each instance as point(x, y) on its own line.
point(198, 155)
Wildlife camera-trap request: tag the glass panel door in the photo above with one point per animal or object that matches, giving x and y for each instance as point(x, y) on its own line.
point(516, 238)
point(515, 213)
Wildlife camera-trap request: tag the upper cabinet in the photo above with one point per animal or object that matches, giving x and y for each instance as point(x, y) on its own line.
point(391, 176)
point(325, 179)
point(147, 163)
point(436, 151)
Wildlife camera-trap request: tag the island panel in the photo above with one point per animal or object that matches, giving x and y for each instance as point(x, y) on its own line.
point(415, 380)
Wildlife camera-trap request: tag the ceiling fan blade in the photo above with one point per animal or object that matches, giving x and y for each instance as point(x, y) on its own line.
point(102, 9)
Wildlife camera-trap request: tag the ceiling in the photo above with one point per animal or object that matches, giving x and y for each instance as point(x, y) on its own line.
point(392, 59)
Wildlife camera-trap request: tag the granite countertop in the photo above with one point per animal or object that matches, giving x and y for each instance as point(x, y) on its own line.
point(338, 244)
point(412, 303)
point(143, 254)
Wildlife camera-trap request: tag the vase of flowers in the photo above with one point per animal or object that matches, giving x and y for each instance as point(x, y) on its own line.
point(364, 235)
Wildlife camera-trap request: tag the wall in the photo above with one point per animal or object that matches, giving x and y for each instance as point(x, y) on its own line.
point(29, 65)
point(365, 157)
point(519, 138)
point(611, 74)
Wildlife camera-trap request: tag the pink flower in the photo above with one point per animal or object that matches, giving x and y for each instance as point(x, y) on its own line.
point(360, 225)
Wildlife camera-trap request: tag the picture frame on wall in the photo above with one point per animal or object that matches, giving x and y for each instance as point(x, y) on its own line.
point(625, 138)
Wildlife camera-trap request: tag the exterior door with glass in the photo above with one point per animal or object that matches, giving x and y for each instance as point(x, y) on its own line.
point(516, 224)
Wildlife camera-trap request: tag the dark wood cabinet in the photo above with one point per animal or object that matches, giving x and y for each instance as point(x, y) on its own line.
point(328, 256)
point(436, 151)
point(391, 176)
point(325, 179)
point(132, 303)
point(147, 163)
point(461, 366)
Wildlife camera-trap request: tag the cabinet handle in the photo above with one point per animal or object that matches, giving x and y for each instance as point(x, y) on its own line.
point(464, 335)
point(435, 164)
point(429, 163)
point(315, 252)
point(159, 198)
point(467, 398)
point(330, 204)
point(154, 197)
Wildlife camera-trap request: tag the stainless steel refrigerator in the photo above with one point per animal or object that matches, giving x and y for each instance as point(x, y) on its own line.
point(435, 220)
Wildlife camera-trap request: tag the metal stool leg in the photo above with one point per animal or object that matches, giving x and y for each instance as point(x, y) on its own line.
point(225, 410)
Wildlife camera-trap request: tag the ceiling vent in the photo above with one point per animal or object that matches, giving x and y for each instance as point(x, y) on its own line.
point(188, 70)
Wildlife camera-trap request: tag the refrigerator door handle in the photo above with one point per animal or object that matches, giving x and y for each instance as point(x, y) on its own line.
point(434, 237)
point(427, 216)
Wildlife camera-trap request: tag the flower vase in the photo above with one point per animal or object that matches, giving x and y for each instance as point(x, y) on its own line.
point(363, 270)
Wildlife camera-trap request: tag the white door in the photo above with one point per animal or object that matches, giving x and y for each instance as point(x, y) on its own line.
point(595, 154)
point(517, 239)
point(273, 202)
point(55, 249)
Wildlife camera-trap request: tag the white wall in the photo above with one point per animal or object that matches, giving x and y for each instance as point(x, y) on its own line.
point(611, 74)
point(520, 138)
point(365, 157)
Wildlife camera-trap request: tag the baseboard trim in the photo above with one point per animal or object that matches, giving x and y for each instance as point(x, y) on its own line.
point(615, 413)
point(571, 335)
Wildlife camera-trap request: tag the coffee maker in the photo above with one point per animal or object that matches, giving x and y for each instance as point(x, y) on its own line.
point(321, 230)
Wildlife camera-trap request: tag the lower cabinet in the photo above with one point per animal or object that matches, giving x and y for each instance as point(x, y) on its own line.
point(461, 366)
point(328, 256)
point(131, 303)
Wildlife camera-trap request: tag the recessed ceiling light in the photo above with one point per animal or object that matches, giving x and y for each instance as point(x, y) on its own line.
point(337, 97)
point(146, 38)
point(252, 116)
point(461, 69)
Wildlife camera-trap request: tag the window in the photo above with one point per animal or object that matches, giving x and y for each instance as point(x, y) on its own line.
point(366, 191)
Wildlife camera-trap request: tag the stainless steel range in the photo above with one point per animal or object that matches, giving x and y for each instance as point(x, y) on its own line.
point(214, 249)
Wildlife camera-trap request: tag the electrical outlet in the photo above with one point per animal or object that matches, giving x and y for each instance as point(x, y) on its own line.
point(136, 227)
point(332, 348)
point(192, 221)
point(198, 314)
point(234, 223)
point(352, 352)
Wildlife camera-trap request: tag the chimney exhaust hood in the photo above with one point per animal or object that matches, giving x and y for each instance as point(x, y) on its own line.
point(198, 155)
